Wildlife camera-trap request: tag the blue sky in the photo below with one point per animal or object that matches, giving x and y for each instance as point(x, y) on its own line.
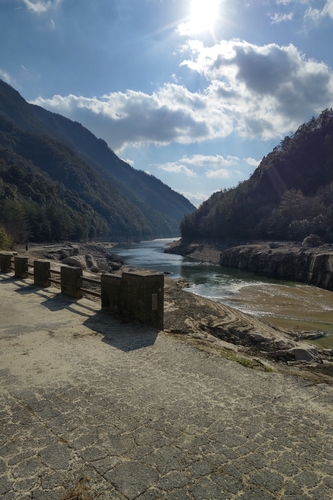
point(195, 92)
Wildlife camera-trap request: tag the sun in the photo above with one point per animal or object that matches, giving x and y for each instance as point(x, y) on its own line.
point(203, 15)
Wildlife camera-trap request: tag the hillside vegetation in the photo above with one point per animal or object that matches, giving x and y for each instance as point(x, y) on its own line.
point(288, 197)
point(58, 181)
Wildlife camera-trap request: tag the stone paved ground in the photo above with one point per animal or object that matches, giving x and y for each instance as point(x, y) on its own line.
point(93, 407)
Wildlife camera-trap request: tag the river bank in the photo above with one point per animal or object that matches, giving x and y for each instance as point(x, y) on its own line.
point(202, 250)
point(298, 311)
point(207, 324)
point(285, 260)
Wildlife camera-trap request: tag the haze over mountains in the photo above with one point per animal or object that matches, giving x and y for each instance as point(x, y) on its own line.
point(59, 181)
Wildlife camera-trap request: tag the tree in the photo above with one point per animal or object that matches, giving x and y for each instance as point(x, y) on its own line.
point(5, 241)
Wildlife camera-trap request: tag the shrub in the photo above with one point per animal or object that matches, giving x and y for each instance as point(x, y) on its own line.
point(5, 241)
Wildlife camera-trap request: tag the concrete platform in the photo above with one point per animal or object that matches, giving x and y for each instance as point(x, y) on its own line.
point(95, 407)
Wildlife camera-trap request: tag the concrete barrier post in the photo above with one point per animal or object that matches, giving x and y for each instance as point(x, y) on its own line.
point(71, 281)
point(21, 267)
point(110, 292)
point(42, 273)
point(142, 297)
point(5, 262)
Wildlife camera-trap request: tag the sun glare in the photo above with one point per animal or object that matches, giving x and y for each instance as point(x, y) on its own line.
point(203, 15)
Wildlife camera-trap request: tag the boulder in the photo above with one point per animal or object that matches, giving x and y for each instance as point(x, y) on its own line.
point(77, 261)
point(312, 241)
point(49, 256)
point(115, 258)
point(298, 354)
point(67, 252)
point(115, 266)
point(64, 254)
point(75, 249)
point(91, 263)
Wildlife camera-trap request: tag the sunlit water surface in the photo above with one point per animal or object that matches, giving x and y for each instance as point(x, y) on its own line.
point(286, 304)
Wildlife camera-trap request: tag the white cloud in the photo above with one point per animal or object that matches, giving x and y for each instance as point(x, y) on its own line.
point(41, 6)
point(172, 114)
point(318, 14)
point(209, 161)
point(252, 162)
point(177, 168)
point(5, 76)
point(127, 160)
point(278, 18)
point(195, 198)
point(268, 90)
point(219, 174)
point(259, 91)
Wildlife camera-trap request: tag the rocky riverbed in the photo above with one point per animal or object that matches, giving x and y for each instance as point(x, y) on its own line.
point(206, 324)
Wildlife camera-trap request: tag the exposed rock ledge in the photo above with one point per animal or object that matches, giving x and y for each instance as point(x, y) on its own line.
point(288, 261)
point(285, 260)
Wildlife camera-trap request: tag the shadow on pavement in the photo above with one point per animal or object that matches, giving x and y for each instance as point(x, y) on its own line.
point(60, 301)
point(122, 333)
point(119, 332)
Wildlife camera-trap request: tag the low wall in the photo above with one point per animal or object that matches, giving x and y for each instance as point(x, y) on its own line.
point(136, 294)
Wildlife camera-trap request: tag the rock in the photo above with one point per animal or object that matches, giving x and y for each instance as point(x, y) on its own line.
point(78, 261)
point(68, 251)
point(312, 241)
point(311, 335)
point(115, 266)
point(75, 249)
point(298, 354)
point(64, 254)
point(91, 263)
point(327, 352)
point(257, 338)
point(275, 245)
point(310, 266)
point(115, 258)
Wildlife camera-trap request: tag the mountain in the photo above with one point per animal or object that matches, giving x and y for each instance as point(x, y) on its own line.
point(288, 197)
point(51, 165)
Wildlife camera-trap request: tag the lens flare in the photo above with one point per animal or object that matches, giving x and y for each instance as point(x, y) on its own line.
point(203, 14)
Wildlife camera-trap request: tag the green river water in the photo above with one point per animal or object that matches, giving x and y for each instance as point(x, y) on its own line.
point(288, 305)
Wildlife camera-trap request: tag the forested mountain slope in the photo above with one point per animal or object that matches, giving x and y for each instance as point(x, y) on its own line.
point(63, 182)
point(289, 195)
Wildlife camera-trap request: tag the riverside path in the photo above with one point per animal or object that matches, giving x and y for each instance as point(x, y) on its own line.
point(95, 407)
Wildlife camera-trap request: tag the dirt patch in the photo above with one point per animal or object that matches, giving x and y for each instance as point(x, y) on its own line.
point(80, 492)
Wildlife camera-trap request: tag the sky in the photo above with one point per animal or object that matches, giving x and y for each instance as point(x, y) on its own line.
point(194, 92)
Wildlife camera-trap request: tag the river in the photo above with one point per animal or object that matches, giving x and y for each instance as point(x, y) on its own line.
point(285, 304)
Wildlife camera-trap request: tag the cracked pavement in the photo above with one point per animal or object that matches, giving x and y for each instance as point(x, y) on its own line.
point(93, 406)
